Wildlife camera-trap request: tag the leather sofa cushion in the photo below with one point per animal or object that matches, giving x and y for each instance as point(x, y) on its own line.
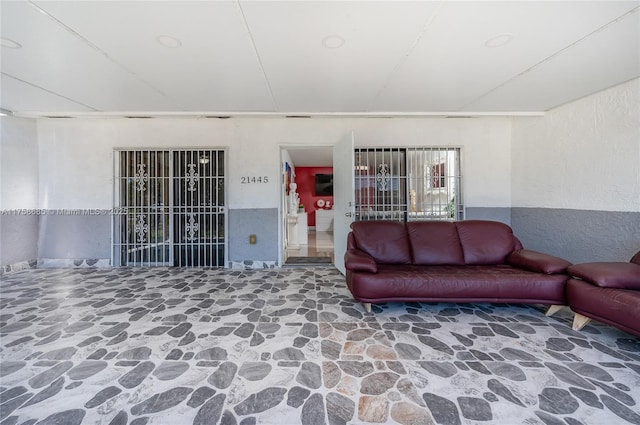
point(485, 242)
point(608, 274)
point(636, 258)
point(457, 284)
point(386, 241)
point(435, 243)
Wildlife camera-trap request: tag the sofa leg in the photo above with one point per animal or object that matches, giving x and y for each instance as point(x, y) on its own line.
point(367, 307)
point(553, 309)
point(580, 321)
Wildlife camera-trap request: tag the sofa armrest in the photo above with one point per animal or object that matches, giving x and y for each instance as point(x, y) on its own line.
point(537, 262)
point(608, 274)
point(357, 260)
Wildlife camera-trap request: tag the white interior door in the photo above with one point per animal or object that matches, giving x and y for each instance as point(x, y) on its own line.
point(343, 197)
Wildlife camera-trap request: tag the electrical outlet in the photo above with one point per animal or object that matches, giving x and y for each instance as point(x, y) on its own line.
point(252, 239)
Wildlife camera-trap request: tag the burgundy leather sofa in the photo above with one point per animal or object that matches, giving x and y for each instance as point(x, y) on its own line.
point(608, 292)
point(440, 261)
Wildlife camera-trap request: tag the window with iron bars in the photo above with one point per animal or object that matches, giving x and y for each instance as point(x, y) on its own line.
point(405, 184)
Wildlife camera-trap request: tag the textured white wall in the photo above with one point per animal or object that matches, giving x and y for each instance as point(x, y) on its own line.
point(584, 155)
point(18, 163)
point(77, 154)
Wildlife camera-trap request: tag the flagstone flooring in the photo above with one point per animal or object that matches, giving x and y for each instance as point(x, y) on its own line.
point(290, 346)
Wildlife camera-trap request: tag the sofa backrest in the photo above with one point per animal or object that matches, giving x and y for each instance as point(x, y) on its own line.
point(470, 242)
point(486, 242)
point(386, 241)
point(435, 243)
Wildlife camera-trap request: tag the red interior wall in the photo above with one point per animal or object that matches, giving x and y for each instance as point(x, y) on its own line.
point(306, 180)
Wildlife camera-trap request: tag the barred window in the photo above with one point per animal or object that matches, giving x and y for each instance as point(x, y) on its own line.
point(406, 184)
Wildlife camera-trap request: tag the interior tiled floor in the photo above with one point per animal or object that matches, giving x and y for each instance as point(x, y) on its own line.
point(320, 244)
point(290, 346)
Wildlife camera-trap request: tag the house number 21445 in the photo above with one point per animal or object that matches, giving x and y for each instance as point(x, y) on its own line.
point(253, 179)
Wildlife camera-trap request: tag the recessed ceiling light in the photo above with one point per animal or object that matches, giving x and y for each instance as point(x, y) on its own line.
point(168, 41)
point(333, 42)
point(7, 42)
point(499, 40)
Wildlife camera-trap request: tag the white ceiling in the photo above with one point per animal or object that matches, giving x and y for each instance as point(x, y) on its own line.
point(266, 57)
point(315, 156)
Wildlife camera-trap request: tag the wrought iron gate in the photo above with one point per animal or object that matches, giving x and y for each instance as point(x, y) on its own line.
point(172, 205)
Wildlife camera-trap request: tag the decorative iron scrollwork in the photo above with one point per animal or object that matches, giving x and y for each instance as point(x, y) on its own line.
point(141, 228)
point(141, 178)
point(383, 177)
point(192, 178)
point(192, 227)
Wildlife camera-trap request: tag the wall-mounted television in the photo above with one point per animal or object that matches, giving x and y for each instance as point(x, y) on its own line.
point(324, 184)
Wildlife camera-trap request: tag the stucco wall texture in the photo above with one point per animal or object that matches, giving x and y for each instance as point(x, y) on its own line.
point(584, 155)
point(18, 189)
point(576, 177)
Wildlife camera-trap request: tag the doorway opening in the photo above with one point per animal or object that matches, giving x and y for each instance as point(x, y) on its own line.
point(307, 206)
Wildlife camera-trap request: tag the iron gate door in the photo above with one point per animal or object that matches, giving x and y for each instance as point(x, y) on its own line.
point(172, 205)
point(198, 208)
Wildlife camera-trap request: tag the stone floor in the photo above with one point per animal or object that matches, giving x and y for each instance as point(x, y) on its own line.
point(290, 346)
